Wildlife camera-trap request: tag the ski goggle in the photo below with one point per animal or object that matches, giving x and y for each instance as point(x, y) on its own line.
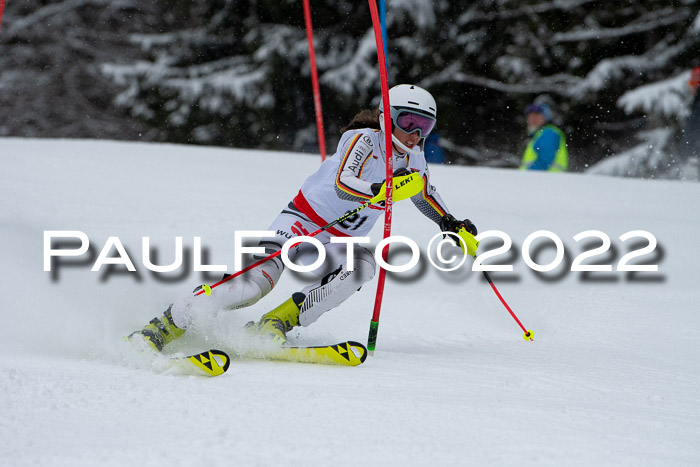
point(409, 122)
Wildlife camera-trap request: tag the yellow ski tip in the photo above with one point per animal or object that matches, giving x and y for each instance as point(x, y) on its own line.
point(212, 362)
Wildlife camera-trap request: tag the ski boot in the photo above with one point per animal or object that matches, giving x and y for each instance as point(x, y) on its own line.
point(159, 331)
point(277, 323)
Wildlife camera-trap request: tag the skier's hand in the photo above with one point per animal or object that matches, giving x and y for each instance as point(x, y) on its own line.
point(448, 223)
point(466, 231)
point(402, 172)
point(376, 187)
point(406, 185)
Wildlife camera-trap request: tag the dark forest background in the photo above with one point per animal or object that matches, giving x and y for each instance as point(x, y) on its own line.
point(236, 73)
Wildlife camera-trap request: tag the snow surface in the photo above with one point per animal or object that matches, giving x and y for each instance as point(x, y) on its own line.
point(610, 379)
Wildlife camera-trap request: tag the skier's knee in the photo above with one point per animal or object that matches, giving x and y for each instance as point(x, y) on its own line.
point(365, 266)
point(239, 293)
point(249, 288)
point(334, 289)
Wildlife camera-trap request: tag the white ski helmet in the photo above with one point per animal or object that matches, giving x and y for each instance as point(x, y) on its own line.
point(412, 97)
point(413, 109)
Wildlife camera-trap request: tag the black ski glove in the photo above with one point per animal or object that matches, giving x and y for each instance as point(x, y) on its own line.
point(397, 173)
point(448, 223)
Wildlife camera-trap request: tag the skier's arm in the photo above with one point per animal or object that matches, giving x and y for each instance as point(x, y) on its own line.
point(356, 152)
point(429, 202)
point(546, 148)
point(447, 222)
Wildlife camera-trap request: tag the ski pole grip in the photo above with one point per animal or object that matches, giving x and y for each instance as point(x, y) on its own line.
point(467, 242)
point(405, 187)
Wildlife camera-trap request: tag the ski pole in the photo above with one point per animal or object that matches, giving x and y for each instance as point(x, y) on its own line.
point(206, 289)
point(469, 244)
point(406, 186)
point(529, 335)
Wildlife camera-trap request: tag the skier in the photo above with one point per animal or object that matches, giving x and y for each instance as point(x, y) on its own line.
point(354, 174)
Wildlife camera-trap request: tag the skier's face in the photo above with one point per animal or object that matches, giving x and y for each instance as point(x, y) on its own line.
point(407, 139)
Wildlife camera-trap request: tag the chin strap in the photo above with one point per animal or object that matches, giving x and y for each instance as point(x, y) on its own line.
point(398, 143)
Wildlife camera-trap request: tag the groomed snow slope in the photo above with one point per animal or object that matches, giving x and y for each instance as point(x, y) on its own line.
point(612, 377)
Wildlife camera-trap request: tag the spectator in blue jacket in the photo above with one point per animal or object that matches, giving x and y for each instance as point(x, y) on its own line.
point(546, 149)
point(433, 151)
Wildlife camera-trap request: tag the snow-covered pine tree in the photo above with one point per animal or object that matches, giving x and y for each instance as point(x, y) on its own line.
point(665, 106)
point(50, 83)
point(236, 73)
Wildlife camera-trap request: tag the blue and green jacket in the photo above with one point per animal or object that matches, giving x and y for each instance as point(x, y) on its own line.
point(546, 150)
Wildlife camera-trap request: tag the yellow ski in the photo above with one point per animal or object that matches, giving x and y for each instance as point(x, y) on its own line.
point(210, 363)
point(348, 353)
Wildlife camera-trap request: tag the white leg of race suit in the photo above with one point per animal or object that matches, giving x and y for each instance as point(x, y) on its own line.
point(336, 283)
point(239, 292)
point(337, 286)
point(245, 290)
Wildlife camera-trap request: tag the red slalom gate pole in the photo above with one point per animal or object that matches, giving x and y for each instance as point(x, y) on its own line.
point(529, 335)
point(314, 80)
point(374, 324)
point(2, 8)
